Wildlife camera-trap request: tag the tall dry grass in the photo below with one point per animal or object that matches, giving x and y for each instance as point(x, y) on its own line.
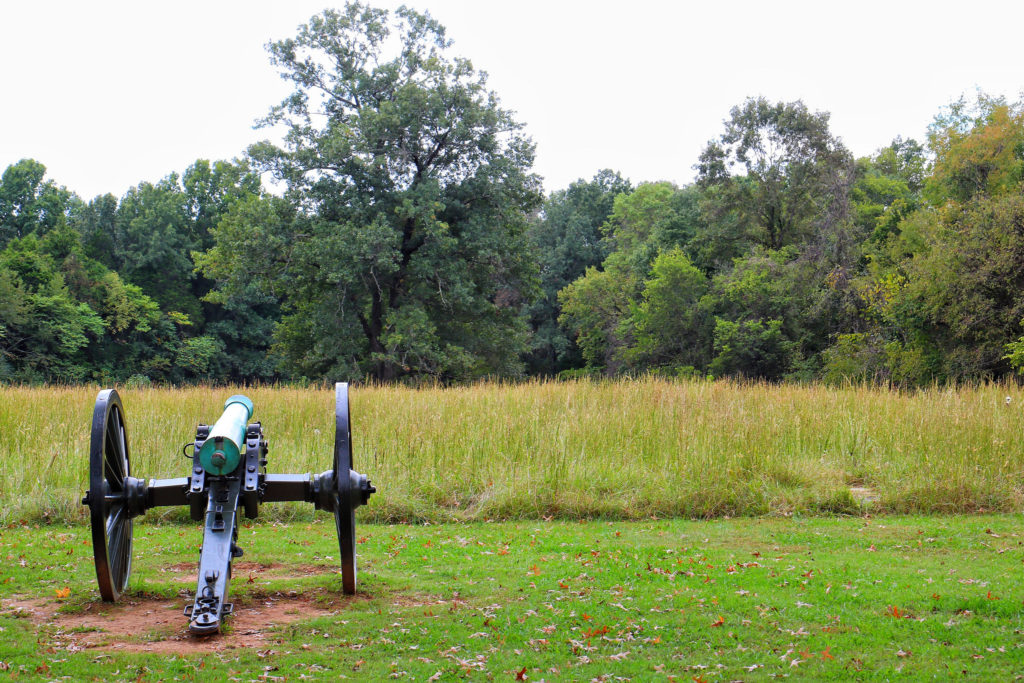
point(577, 449)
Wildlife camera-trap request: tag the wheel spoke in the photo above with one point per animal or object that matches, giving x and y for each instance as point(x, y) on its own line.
point(124, 554)
point(117, 513)
point(119, 546)
point(113, 462)
point(124, 447)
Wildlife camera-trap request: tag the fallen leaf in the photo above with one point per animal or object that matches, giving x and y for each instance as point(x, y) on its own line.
point(718, 622)
point(521, 675)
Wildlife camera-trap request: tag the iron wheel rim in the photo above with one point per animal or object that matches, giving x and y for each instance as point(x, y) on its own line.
point(344, 511)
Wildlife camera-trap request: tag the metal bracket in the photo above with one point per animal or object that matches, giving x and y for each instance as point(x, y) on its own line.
point(251, 470)
point(197, 480)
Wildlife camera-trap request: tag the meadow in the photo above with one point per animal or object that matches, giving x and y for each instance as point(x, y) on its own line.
point(547, 531)
point(566, 450)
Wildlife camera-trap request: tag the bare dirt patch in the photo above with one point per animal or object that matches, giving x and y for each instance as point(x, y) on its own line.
point(185, 572)
point(157, 625)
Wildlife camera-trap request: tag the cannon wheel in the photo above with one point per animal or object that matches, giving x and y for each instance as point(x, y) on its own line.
point(344, 511)
point(109, 468)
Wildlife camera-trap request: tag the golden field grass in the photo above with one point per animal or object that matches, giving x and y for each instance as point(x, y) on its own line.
point(616, 449)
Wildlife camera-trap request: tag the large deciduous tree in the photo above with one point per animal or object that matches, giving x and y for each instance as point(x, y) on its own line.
point(406, 254)
point(775, 176)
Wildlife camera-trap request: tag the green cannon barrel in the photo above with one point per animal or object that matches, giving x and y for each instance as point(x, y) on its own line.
point(222, 450)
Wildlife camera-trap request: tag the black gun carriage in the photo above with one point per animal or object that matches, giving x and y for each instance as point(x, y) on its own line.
point(228, 475)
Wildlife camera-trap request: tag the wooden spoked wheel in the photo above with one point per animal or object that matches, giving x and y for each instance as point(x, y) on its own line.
point(109, 512)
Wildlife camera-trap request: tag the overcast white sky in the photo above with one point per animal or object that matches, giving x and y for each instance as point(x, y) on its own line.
point(108, 94)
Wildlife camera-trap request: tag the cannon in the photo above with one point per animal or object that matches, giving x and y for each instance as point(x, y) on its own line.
point(228, 474)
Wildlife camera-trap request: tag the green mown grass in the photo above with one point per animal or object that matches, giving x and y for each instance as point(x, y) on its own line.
point(724, 600)
point(622, 450)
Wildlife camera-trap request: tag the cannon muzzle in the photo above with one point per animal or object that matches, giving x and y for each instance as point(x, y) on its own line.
point(223, 448)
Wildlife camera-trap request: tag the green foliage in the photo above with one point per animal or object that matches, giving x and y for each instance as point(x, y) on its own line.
point(596, 309)
point(775, 175)
point(979, 150)
point(125, 308)
point(154, 240)
point(964, 291)
point(43, 330)
point(751, 348)
point(68, 316)
point(409, 256)
point(210, 190)
point(96, 222)
point(1015, 353)
point(411, 243)
point(28, 204)
point(638, 221)
point(603, 309)
point(893, 269)
point(567, 239)
point(888, 189)
point(196, 355)
point(671, 329)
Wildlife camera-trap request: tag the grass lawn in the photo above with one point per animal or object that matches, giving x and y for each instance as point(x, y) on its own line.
point(723, 600)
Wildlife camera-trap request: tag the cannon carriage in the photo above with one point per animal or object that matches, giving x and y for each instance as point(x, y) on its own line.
point(228, 474)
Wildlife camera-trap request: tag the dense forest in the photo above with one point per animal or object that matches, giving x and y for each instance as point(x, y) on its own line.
point(407, 239)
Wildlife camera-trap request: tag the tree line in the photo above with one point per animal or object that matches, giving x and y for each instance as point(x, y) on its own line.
point(408, 239)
